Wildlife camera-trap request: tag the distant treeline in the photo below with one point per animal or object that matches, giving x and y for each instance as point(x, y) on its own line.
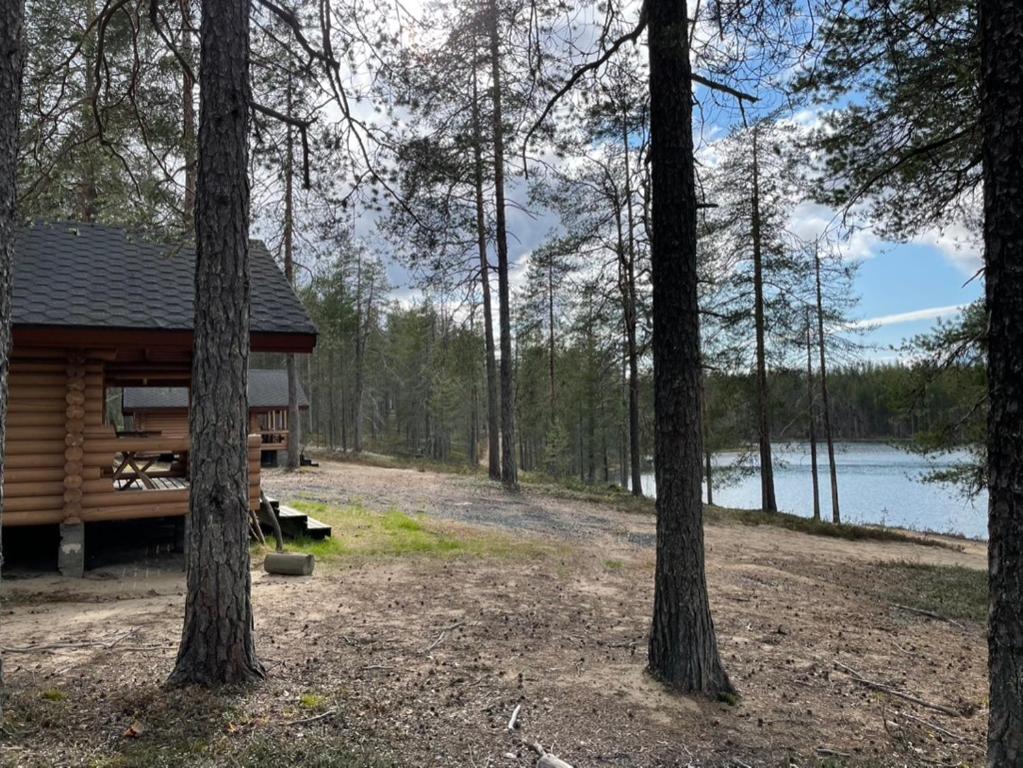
point(869, 401)
point(414, 377)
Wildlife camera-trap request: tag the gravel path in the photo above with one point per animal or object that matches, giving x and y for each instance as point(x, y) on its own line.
point(463, 499)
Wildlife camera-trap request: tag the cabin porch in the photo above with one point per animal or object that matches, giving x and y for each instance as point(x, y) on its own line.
point(67, 463)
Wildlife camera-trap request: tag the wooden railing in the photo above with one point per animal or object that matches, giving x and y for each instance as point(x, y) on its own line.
point(274, 439)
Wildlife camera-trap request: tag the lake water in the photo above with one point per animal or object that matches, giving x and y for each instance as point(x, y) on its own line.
point(877, 484)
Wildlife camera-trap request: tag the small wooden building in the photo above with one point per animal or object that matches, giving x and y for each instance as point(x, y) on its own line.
point(97, 308)
point(165, 409)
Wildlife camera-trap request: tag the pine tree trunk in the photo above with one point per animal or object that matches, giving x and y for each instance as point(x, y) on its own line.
point(360, 358)
point(493, 398)
point(509, 471)
point(188, 115)
point(836, 514)
point(294, 425)
point(631, 323)
point(811, 418)
point(1001, 32)
point(218, 643)
point(551, 340)
point(708, 470)
point(683, 645)
point(12, 15)
point(767, 498)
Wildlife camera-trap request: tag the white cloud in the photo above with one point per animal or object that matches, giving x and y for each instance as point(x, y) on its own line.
point(931, 313)
point(958, 243)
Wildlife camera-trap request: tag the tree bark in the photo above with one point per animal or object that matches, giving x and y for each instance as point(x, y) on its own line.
point(1001, 33)
point(683, 648)
point(294, 419)
point(767, 498)
point(493, 398)
point(811, 418)
point(836, 514)
point(188, 115)
point(550, 340)
point(631, 323)
point(509, 470)
point(361, 320)
point(217, 642)
point(12, 15)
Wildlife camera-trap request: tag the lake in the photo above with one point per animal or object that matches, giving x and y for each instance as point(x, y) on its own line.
point(877, 484)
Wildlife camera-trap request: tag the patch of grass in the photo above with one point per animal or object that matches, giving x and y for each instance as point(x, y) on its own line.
point(321, 549)
point(730, 699)
point(53, 695)
point(948, 590)
point(614, 565)
point(314, 702)
point(360, 532)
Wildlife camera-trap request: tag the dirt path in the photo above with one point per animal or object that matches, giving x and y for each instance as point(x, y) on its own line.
point(476, 501)
point(420, 661)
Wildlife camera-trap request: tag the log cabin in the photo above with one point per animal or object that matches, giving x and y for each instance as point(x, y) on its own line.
point(165, 410)
point(97, 308)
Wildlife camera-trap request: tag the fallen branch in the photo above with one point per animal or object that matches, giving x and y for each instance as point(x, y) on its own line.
point(857, 677)
point(829, 752)
point(547, 760)
point(72, 646)
point(443, 633)
point(932, 726)
point(514, 720)
point(929, 614)
point(315, 719)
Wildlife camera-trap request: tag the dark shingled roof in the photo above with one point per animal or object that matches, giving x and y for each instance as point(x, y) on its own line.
point(267, 389)
point(94, 276)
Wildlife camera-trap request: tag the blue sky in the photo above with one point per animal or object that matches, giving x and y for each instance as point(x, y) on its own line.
point(914, 280)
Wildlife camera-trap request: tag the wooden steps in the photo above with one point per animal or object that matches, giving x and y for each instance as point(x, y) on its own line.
point(295, 524)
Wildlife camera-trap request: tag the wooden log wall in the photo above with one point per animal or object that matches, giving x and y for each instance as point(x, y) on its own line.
point(60, 453)
point(172, 423)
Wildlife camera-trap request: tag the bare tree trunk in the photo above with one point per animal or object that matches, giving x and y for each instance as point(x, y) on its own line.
point(294, 425)
point(708, 468)
point(217, 642)
point(767, 498)
point(509, 471)
point(631, 323)
point(188, 115)
point(331, 411)
point(836, 514)
point(12, 15)
point(683, 645)
point(811, 418)
point(493, 398)
point(361, 320)
point(550, 339)
point(1001, 33)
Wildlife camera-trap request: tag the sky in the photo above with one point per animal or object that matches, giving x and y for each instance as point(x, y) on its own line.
point(903, 288)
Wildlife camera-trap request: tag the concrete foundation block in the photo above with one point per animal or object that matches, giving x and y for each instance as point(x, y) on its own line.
point(71, 555)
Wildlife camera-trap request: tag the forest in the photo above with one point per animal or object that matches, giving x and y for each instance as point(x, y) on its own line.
point(545, 240)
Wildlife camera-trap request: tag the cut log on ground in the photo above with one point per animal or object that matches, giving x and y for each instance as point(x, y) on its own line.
point(289, 564)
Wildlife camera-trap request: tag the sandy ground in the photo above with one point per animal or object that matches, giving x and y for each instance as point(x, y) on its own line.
point(423, 660)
